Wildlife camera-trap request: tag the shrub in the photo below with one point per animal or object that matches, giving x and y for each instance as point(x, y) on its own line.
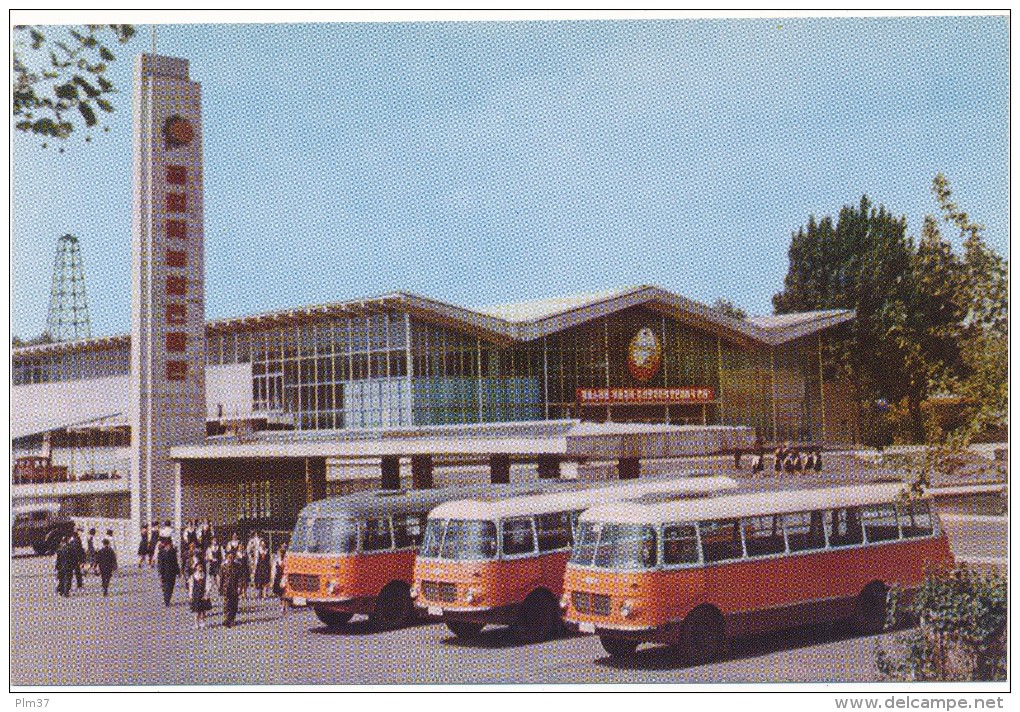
point(961, 632)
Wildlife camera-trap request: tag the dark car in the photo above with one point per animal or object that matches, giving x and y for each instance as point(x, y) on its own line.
point(39, 527)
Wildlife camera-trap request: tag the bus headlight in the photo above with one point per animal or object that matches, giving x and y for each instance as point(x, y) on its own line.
point(471, 595)
point(564, 602)
point(414, 592)
point(627, 608)
point(334, 588)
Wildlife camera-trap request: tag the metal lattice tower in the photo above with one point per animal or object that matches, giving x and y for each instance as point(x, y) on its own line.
point(68, 317)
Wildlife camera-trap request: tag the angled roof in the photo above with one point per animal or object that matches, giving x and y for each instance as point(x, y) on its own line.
point(526, 321)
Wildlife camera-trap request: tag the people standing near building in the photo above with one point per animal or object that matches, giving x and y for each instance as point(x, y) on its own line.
point(64, 567)
point(188, 536)
point(263, 575)
point(244, 571)
point(167, 531)
point(205, 535)
point(169, 569)
point(279, 578)
point(106, 564)
point(778, 464)
point(230, 585)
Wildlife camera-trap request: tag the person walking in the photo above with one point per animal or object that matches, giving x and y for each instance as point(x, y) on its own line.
point(106, 564)
point(169, 569)
point(64, 565)
point(230, 586)
point(90, 551)
point(213, 562)
point(263, 574)
point(143, 545)
point(78, 559)
point(199, 596)
point(243, 571)
point(153, 543)
point(279, 577)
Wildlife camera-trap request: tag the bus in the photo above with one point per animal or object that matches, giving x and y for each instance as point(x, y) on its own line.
point(355, 554)
point(486, 561)
point(693, 573)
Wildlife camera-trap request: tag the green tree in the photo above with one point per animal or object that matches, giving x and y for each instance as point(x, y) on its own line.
point(59, 77)
point(728, 308)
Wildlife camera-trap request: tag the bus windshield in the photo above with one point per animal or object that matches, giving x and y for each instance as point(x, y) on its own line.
point(615, 546)
point(324, 535)
point(459, 539)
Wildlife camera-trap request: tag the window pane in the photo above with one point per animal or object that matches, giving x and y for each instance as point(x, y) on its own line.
point(376, 534)
point(518, 536)
point(333, 536)
point(804, 531)
point(626, 546)
point(553, 531)
point(844, 526)
point(407, 530)
point(434, 530)
point(880, 522)
point(720, 540)
point(763, 536)
point(915, 519)
point(679, 544)
point(469, 540)
point(583, 553)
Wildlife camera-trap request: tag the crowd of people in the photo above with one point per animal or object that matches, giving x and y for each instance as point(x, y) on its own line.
point(233, 571)
point(789, 459)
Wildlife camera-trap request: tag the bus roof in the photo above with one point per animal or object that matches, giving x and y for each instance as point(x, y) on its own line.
point(745, 504)
point(377, 503)
point(579, 499)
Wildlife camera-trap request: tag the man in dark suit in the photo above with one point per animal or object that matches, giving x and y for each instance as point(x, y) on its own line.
point(64, 566)
point(106, 562)
point(78, 558)
point(169, 568)
point(230, 586)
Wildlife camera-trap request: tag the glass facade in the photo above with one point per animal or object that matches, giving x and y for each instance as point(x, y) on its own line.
point(389, 368)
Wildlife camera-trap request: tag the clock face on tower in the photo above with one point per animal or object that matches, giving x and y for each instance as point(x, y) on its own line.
point(178, 132)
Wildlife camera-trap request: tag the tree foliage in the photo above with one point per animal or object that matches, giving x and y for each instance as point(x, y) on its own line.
point(59, 77)
point(728, 308)
point(961, 633)
point(928, 321)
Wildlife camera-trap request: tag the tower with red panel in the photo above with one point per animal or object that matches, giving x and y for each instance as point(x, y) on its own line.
point(168, 284)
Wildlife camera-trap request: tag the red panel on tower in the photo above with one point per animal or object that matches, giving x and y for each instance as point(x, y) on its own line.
point(176, 285)
point(176, 341)
point(177, 228)
point(176, 175)
point(176, 370)
point(176, 258)
point(176, 202)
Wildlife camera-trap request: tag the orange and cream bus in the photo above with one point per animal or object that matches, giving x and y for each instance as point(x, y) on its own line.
point(355, 554)
point(696, 572)
point(501, 561)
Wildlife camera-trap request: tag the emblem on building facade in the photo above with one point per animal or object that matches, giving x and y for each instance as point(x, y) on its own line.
point(644, 355)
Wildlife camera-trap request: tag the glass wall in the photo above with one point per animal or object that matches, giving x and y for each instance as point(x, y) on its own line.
point(75, 365)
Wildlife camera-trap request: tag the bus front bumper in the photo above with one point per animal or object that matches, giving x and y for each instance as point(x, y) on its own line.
point(498, 615)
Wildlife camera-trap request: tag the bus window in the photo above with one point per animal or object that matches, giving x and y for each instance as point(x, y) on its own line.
point(804, 531)
point(376, 534)
point(518, 536)
point(465, 539)
point(297, 539)
point(433, 541)
point(720, 540)
point(407, 530)
point(626, 546)
point(763, 536)
point(915, 519)
point(333, 536)
point(679, 544)
point(844, 526)
point(585, 543)
point(880, 522)
point(554, 531)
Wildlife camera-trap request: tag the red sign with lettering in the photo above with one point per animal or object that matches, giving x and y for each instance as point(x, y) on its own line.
point(645, 396)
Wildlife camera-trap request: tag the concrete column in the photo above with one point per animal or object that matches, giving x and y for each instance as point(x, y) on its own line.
point(499, 469)
point(548, 467)
point(421, 471)
point(629, 468)
point(391, 472)
point(315, 479)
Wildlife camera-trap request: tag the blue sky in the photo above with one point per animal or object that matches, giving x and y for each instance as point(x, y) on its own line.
point(491, 162)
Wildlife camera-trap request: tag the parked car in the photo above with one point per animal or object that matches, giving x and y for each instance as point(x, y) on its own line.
point(40, 527)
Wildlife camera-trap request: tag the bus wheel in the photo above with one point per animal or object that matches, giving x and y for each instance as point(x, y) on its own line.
point(538, 618)
point(704, 638)
point(332, 619)
point(393, 607)
point(618, 647)
point(870, 608)
point(465, 629)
